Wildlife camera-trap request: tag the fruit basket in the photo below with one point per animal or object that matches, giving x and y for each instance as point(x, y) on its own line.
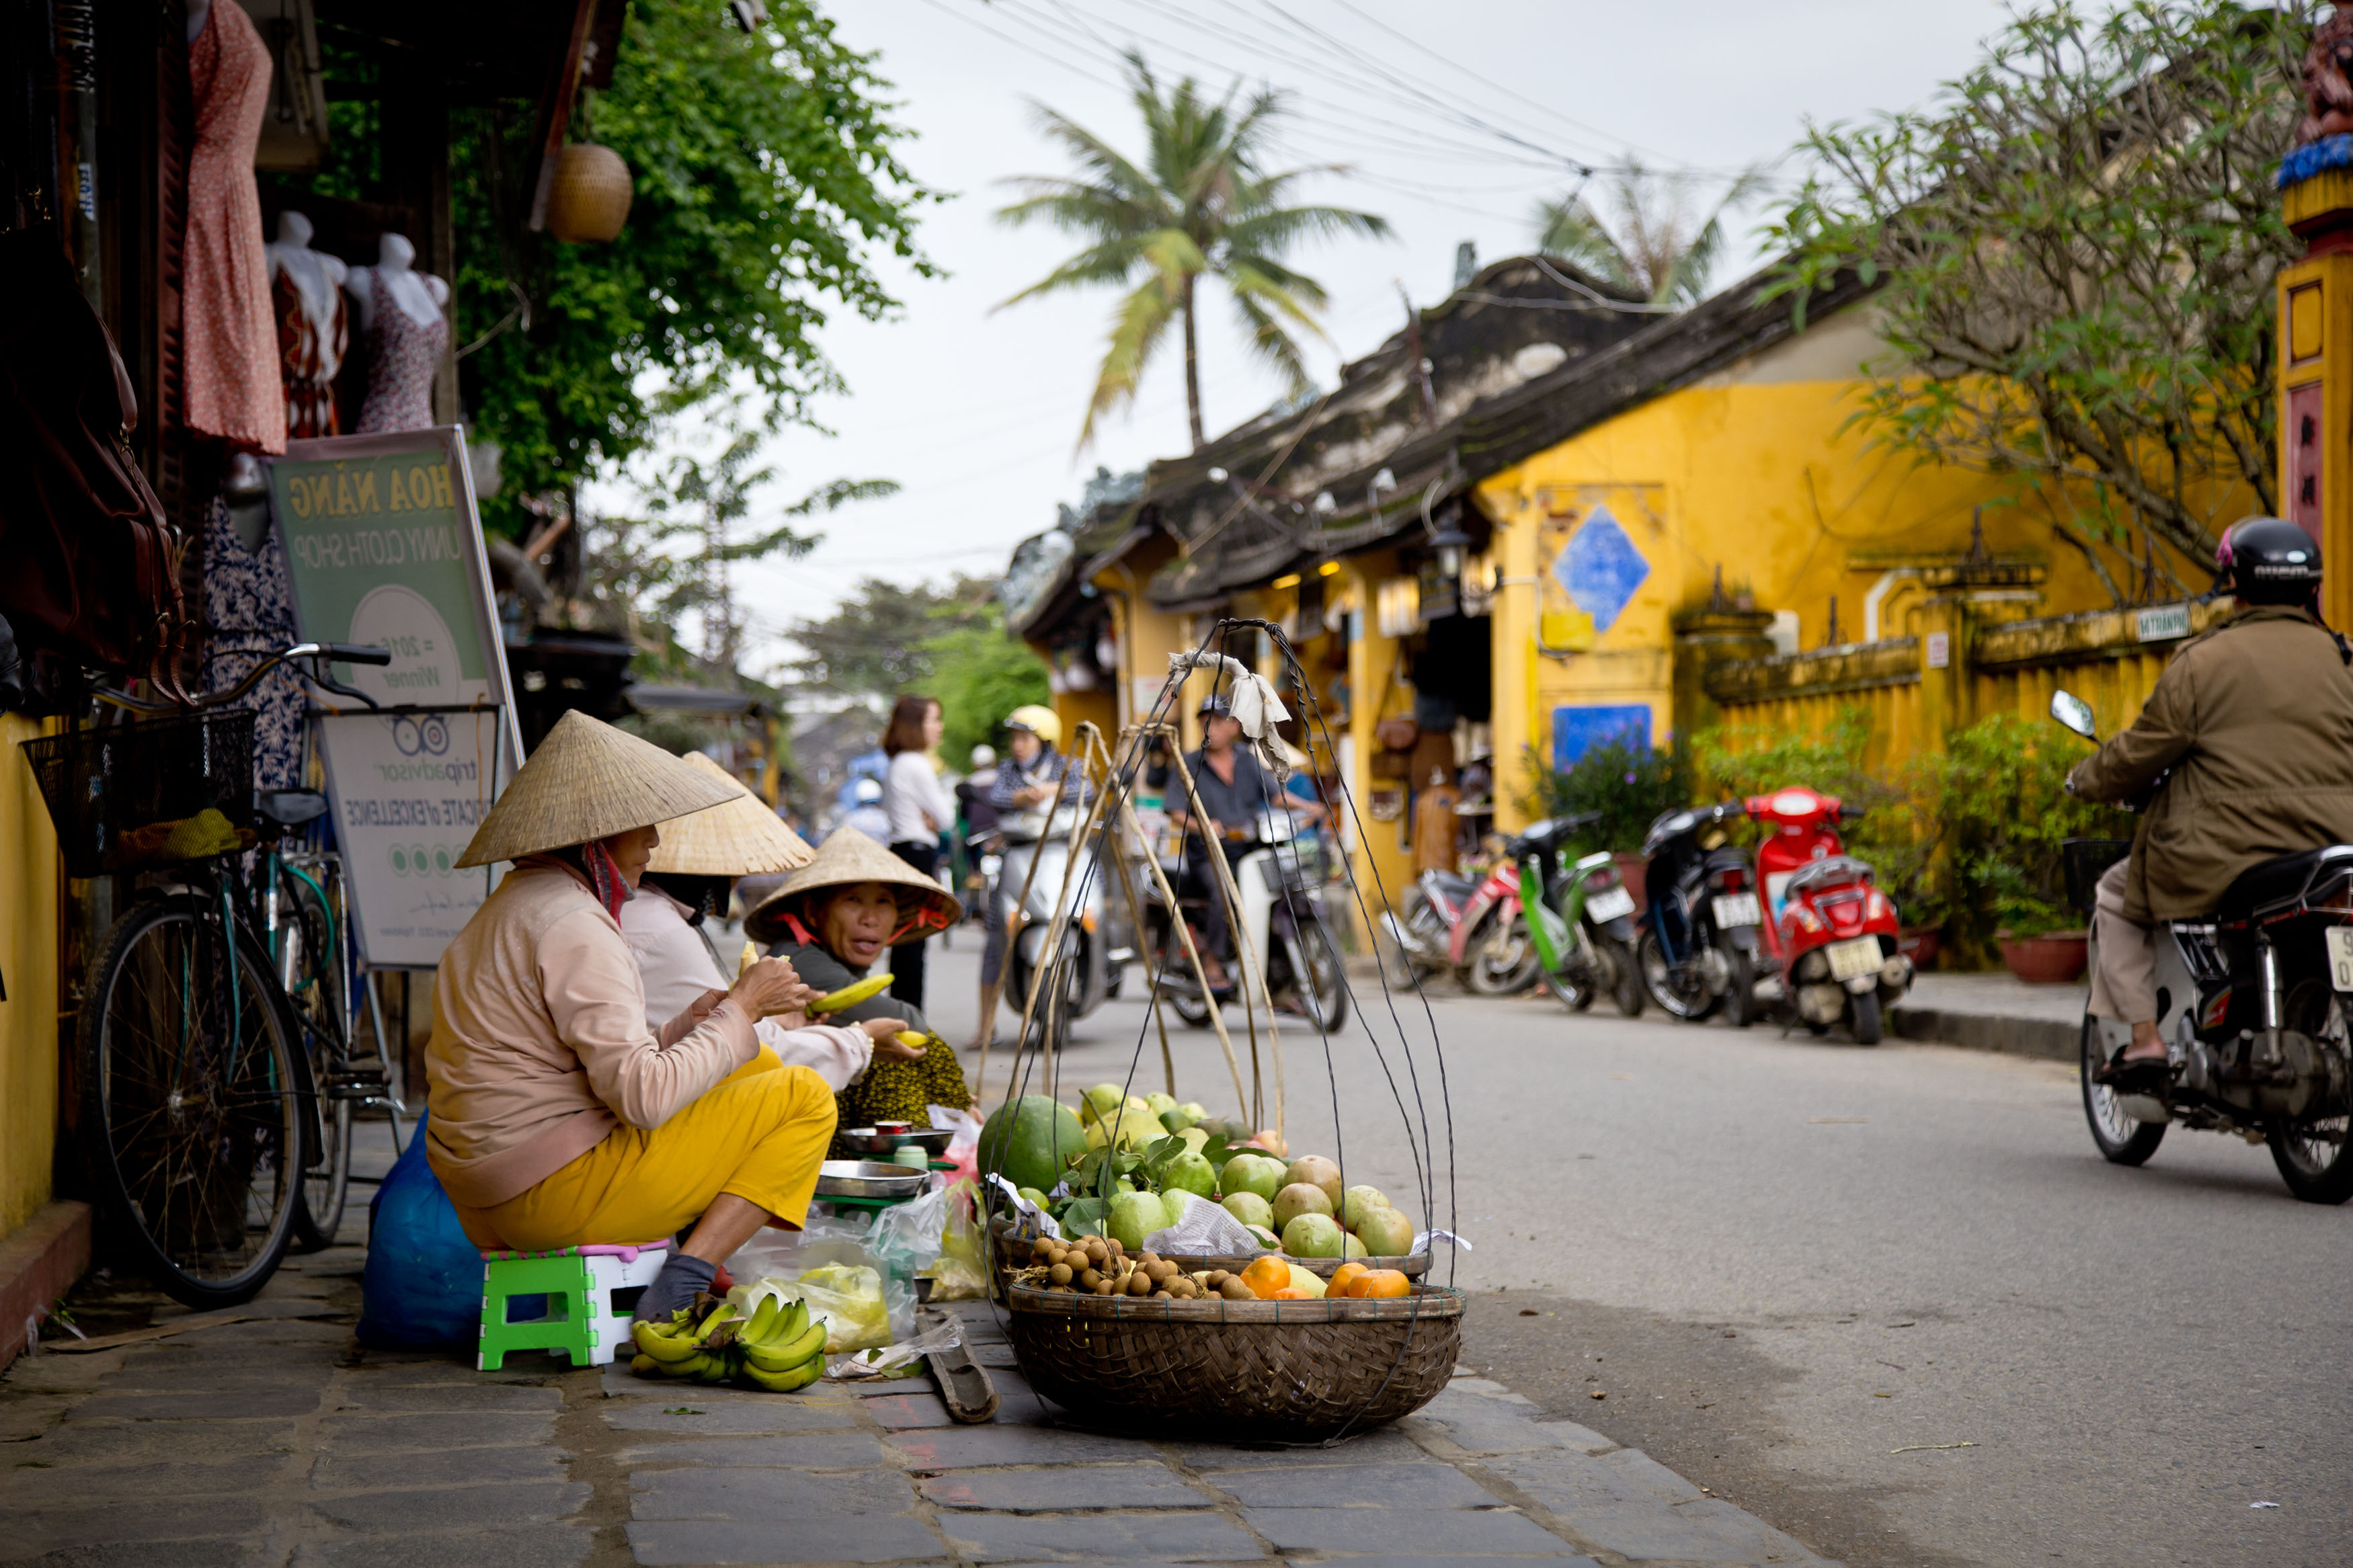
point(1012, 1254)
point(1294, 1372)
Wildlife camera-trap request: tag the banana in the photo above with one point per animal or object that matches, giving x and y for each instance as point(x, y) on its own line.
point(782, 1355)
point(915, 1037)
point(667, 1348)
point(763, 1320)
point(713, 1371)
point(721, 1316)
point(756, 1376)
point(751, 956)
point(645, 1367)
point(850, 995)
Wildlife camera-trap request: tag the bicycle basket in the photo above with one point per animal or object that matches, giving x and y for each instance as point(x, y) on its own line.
point(2085, 859)
point(114, 791)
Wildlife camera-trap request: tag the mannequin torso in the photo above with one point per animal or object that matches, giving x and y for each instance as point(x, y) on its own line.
point(399, 311)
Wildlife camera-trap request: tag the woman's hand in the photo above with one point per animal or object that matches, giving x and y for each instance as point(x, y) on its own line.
point(884, 1033)
point(769, 987)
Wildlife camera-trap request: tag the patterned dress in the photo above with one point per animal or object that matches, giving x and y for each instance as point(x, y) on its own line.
point(250, 614)
point(402, 358)
point(311, 351)
point(229, 332)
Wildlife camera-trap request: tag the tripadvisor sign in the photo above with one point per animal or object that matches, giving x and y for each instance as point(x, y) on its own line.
point(384, 547)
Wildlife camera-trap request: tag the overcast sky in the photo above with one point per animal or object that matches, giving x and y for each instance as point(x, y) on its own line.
point(1456, 124)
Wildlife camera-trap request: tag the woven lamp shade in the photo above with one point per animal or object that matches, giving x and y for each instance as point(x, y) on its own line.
point(741, 839)
point(588, 780)
point(588, 199)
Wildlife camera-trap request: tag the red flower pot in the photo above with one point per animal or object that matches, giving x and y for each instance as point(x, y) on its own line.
point(1920, 945)
point(2054, 958)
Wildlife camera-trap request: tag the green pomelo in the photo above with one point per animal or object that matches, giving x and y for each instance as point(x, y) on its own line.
point(1357, 1202)
point(1099, 1100)
point(1195, 1139)
point(1251, 1173)
point(1133, 1217)
point(1251, 1209)
point(1160, 1104)
point(1191, 1173)
point(1315, 1171)
point(1030, 1142)
point(1386, 1234)
point(1312, 1235)
point(1174, 1202)
point(1354, 1249)
point(1297, 1199)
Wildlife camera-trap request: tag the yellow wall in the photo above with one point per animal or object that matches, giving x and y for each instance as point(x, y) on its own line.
point(28, 967)
point(1749, 470)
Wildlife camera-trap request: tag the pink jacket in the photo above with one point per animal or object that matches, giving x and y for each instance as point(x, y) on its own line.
point(541, 1046)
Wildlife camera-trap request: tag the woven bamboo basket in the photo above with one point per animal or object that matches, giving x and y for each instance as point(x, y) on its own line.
point(1013, 1255)
point(1296, 1372)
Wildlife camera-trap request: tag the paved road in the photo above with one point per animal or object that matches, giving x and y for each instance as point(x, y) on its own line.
point(1783, 1260)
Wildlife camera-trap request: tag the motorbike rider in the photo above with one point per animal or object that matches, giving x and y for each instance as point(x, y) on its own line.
point(1234, 789)
point(1028, 779)
point(2255, 720)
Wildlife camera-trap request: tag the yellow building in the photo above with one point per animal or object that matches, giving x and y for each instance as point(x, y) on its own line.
point(1638, 506)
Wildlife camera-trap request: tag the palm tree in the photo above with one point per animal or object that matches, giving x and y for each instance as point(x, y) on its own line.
point(1201, 201)
point(1652, 244)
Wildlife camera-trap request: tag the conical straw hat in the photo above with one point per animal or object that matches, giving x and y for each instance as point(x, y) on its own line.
point(588, 780)
point(741, 839)
point(846, 859)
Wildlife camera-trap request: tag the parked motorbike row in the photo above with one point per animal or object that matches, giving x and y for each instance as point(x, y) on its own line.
point(1799, 934)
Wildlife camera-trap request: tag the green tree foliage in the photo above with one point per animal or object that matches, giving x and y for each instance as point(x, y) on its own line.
point(1201, 201)
point(1630, 785)
point(676, 559)
point(980, 674)
point(1649, 241)
point(768, 182)
point(2078, 244)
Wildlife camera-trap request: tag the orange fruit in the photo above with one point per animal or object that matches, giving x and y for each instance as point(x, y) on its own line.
point(1266, 1276)
point(1291, 1293)
point(1381, 1284)
point(1341, 1278)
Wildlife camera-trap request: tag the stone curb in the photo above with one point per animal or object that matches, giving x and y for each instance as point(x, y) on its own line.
point(2046, 1039)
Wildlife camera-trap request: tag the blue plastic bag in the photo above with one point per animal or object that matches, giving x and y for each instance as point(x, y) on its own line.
point(422, 1287)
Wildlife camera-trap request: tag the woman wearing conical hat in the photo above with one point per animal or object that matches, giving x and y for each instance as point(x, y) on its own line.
point(689, 878)
point(558, 1117)
point(834, 919)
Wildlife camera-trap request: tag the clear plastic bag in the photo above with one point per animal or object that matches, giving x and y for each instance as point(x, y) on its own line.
point(849, 1296)
point(960, 1273)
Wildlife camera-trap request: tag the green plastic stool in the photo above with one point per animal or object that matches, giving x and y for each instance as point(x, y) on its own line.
point(578, 1283)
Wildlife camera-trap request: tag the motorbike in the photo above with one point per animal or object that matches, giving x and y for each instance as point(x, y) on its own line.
point(1830, 933)
point(1278, 873)
point(1417, 937)
point(1700, 948)
point(1580, 917)
point(1489, 945)
point(1094, 935)
point(2251, 1004)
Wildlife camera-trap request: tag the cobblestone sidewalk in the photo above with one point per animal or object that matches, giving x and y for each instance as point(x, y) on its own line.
point(280, 1441)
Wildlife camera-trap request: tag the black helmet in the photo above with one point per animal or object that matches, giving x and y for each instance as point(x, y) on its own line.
point(2269, 561)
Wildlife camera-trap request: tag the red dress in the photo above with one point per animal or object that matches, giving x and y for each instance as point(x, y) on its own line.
point(228, 326)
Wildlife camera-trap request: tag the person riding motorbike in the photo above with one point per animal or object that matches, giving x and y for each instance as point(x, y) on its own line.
point(1027, 780)
point(1234, 789)
point(2251, 730)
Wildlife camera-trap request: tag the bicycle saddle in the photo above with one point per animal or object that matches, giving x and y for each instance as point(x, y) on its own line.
point(290, 808)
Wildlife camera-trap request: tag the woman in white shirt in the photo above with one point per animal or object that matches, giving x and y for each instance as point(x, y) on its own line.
point(920, 809)
point(687, 880)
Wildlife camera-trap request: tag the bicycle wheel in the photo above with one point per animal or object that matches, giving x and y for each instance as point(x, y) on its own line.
point(311, 968)
point(195, 1102)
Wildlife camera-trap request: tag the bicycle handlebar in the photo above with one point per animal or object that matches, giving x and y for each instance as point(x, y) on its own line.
point(350, 653)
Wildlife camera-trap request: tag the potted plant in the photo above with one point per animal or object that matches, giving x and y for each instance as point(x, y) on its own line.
point(2039, 942)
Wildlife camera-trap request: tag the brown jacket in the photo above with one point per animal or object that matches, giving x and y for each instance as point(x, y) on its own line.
point(2255, 719)
point(541, 1046)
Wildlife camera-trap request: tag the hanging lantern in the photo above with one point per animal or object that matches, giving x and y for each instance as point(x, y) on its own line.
point(588, 199)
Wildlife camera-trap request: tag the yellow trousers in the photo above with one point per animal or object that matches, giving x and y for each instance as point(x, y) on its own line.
point(759, 1133)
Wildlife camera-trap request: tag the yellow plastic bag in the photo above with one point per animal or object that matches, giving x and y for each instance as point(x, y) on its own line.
point(849, 1296)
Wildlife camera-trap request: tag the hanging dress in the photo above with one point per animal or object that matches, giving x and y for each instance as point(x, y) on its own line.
point(311, 342)
point(228, 331)
point(402, 355)
point(249, 613)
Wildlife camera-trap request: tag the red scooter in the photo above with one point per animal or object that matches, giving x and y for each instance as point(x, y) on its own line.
point(1829, 930)
point(1490, 944)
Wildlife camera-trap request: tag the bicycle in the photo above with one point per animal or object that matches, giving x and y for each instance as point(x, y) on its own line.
point(213, 1044)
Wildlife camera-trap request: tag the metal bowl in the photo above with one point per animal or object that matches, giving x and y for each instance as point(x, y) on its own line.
point(867, 1179)
point(873, 1140)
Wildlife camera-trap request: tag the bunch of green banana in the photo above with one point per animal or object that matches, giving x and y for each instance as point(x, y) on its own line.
point(780, 1348)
